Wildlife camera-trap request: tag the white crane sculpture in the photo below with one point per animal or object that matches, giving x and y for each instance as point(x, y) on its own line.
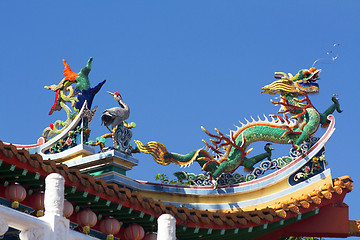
point(115, 117)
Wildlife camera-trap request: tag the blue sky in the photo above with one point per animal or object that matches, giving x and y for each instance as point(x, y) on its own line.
point(180, 65)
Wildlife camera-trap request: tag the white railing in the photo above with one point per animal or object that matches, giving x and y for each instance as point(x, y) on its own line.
point(51, 226)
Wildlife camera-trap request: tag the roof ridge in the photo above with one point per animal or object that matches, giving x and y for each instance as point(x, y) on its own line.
point(219, 218)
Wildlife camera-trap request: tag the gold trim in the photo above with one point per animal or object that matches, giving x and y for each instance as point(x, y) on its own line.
point(354, 228)
point(238, 197)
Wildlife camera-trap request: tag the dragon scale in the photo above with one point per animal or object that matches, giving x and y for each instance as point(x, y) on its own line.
point(267, 131)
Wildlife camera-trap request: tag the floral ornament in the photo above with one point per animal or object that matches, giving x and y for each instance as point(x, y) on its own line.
point(120, 135)
point(307, 169)
point(312, 167)
point(70, 140)
point(87, 131)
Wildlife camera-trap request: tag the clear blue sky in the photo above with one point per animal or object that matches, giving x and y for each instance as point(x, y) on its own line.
point(180, 65)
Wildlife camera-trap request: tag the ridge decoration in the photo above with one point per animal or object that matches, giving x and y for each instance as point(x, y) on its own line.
point(296, 121)
point(227, 179)
point(77, 97)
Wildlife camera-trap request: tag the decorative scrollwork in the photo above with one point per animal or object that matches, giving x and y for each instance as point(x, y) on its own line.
point(67, 94)
point(229, 179)
point(314, 166)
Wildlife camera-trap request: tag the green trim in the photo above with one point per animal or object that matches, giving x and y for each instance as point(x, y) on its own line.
point(266, 225)
point(71, 190)
point(185, 233)
point(316, 210)
point(260, 231)
point(107, 169)
point(24, 172)
point(78, 196)
point(37, 176)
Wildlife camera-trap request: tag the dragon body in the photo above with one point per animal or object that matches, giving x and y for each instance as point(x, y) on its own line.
point(296, 121)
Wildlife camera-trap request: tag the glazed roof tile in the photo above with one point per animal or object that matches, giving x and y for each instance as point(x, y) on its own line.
point(189, 217)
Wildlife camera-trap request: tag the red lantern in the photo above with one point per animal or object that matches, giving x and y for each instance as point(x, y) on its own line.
point(15, 193)
point(37, 201)
point(110, 227)
point(121, 234)
point(134, 232)
point(86, 219)
point(68, 209)
point(150, 236)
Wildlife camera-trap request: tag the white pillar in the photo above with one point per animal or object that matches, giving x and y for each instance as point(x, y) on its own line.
point(4, 227)
point(54, 205)
point(54, 194)
point(166, 227)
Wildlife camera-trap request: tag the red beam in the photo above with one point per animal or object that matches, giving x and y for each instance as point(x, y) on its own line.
point(331, 221)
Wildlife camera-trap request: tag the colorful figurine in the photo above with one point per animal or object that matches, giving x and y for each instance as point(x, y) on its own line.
point(65, 93)
point(299, 121)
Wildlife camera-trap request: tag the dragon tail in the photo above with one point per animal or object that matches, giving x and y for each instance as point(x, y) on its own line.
point(156, 149)
point(163, 157)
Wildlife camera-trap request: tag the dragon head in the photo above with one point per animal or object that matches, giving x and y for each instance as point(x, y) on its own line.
point(305, 81)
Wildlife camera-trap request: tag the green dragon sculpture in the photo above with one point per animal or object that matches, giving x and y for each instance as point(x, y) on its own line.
point(296, 121)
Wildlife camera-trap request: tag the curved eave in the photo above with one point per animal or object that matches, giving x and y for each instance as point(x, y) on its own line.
point(256, 194)
point(109, 199)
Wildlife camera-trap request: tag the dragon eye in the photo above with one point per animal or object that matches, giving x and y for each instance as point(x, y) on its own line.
point(306, 73)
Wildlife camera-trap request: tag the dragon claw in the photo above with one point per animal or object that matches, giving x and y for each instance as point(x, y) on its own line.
point(267, 148)
point(336, 101)
point(214, 183)
point(296, 146)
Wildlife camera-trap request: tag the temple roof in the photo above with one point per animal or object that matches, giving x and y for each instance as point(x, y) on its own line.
point(128, 206)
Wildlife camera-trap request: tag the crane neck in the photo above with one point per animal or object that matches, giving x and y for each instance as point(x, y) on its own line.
point(124, 105)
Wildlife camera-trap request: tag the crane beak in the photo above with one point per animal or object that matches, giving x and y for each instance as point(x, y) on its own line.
point(110, 93)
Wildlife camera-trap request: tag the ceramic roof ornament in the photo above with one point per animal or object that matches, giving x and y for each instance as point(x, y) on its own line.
point(297, 199)
point(296, 121)
point(66, 93)
point(120, 132)
point(116, 115)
